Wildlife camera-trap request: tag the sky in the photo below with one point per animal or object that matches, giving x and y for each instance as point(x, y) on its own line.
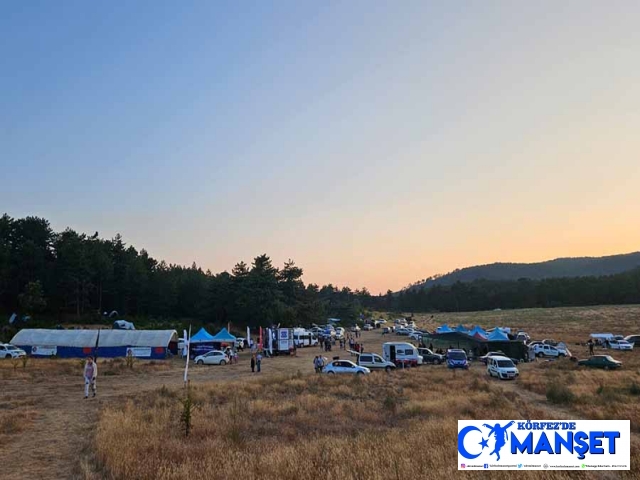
point(375, 143)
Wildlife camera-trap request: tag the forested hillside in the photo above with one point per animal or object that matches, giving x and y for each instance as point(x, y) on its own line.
point(71, 275)
point(560, 267)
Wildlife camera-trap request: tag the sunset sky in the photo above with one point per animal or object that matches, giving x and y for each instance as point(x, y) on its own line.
point(374, 142)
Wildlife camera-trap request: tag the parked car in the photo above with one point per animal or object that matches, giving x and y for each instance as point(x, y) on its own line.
point(523, 336)
point(484, 359)
point(382, 321)
point(563, 351)
point(544, 350)
point(548, 341)
point(11, 351)
point(416, 335)
point(457, 358)
point(429, 357)
point(600, 361)
point(373, 361)
point(633, 339)
point(403, 331)
point(345, 366)
point(501, 367)
point(620, 345)
point(368, 327)
point(214, 357)
point(356, 328)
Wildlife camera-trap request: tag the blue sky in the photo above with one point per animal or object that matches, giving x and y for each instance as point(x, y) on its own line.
point(375, 143)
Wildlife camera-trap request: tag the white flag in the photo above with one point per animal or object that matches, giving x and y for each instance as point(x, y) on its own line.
point(186, 367)
point(248, 337)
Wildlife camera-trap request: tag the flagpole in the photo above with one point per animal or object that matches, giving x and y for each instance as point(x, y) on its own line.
point(186, 367)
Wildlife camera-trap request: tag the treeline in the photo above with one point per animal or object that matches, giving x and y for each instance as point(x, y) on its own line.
point(67, 275)
point(622, 288)
point(70, 275)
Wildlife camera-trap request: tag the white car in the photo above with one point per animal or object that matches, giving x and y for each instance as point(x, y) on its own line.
point(563, 350)
point(404, 331)
point(415, 335)
point(355, 328)
point(542, 350)
point(10, 351)
point(620, 345)
point(345, 366)
point(382, 321)
point(502, 367)
point(214, 357)
point(368, 327)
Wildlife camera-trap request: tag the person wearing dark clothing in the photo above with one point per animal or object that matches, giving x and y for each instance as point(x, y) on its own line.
point(590, 343)
point(253, 364)
point(258, 362)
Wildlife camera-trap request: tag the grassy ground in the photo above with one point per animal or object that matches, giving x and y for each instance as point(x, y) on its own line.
point(288, 422)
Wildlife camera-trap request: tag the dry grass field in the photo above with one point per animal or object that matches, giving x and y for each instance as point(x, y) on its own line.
point(289, 423)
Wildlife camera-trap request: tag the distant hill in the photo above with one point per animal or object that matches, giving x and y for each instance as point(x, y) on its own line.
point(560, 267)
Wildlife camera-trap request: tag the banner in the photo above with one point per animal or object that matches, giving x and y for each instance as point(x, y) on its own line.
point(248, 337)
point(544, 444)
point(186, 366)
point(144, 352)
point(45, 351)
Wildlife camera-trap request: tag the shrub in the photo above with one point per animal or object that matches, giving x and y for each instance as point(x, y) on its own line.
point(634, 389)
point(559, 394)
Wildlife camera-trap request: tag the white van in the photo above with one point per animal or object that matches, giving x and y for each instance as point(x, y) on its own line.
point(401, 354)
point(502, 367)
point(304, 338)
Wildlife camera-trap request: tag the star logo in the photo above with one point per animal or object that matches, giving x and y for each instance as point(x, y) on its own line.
point(484, 443)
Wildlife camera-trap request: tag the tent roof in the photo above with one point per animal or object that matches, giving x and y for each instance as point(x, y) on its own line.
point(498, 334)
point(479, 336)
point(88, 338)
point(223, 336)
point(461, 328)
point(202, 336)
point(479, 330)
point(444, 329)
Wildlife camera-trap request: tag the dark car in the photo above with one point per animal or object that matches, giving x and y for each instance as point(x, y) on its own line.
point(429, 357)
point(484, 358)
point(600, 361)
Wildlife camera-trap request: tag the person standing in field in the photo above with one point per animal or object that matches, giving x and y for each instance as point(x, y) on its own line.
point(90, 374)
point(258, 361)
point(253, 363)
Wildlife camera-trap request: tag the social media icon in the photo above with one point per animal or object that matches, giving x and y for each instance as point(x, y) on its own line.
point(486, 465)
point(462, 465)
point(519, 465)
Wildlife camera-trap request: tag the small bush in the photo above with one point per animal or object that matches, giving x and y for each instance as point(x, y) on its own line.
point(634, 389)
point(559, 394)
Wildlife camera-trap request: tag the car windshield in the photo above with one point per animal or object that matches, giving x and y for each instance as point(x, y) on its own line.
point(505, 364)
point(11, 347)
point(457, 355)
point(609, 358)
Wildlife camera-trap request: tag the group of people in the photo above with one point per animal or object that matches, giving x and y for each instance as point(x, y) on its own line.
point(256, 362)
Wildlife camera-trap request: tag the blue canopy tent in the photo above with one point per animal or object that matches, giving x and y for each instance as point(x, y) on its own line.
point(497, 334)
point(444, 329)
point(223, 336)
point(462, 329)
point(479, 330)
point(202, 337)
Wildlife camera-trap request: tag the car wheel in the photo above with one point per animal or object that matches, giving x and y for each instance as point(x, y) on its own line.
point(387, 369)
point(606, 367)
point(200, 362)
point(223, 362)
point(359, 373)
point(538, 355)
point(562, 355)
point(331, 373)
